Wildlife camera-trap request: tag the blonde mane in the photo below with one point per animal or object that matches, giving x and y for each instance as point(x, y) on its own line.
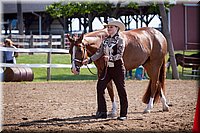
point(90, 40)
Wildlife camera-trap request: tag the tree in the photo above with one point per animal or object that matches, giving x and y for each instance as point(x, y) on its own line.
point(167, 34)
point(20, 17)
point(87, 10)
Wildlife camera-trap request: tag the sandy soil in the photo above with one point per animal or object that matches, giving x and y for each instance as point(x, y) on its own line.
point(70, 107)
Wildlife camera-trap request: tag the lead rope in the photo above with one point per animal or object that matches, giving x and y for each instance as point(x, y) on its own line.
point(85, 50)
point(106, 68)
point(90, 70)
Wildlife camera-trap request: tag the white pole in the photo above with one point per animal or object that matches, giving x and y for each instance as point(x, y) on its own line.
point(40, 22)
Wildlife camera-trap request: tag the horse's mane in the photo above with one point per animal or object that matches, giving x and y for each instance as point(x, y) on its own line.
point(89, 40)
point(94, 37)
point(97, 32)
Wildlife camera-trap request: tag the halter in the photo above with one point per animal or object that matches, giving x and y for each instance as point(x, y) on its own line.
point(106, 63)
point(78, 60)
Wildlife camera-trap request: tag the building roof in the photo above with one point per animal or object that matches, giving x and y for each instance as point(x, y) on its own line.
point(12, 7)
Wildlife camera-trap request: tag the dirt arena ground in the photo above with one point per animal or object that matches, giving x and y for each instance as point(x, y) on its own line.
point(70, 107)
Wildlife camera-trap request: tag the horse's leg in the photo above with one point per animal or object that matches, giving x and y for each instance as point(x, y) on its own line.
point(157, 78)
point(164, 101)
point(151, 90)
point(162, 77)
point(148, 97)
point(111, 94)
point(168, 65)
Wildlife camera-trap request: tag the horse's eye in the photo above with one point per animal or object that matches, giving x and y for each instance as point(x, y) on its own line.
point(79, 45)
point(79, 50)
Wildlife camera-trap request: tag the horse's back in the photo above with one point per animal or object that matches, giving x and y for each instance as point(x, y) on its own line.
point(149, 37)
point(149, 32)
point(141, 44)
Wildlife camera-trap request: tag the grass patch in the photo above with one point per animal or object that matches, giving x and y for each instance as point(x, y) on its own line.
point(40, 74)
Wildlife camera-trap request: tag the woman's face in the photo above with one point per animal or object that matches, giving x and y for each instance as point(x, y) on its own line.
point(7, 44)
point(112, 30)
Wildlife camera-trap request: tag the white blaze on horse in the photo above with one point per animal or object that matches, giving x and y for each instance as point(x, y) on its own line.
point(144, 46)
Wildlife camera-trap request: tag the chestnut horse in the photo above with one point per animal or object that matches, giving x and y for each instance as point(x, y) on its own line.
point(144, 46)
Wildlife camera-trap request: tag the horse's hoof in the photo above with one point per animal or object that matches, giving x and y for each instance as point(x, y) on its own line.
point(166, 109)
point(147, 111)
point(112, 114)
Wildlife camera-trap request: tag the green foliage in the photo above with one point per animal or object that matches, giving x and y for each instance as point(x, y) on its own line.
point(69, 9)
point(55, 10)
point(154, 8)
point(133, 5)
point(72, 8)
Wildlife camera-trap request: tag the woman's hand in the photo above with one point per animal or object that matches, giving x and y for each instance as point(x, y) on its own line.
point(87, 61)
point(106, 58)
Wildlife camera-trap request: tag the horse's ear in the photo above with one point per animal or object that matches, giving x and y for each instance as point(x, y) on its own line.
point(69, 37)
point(81, 37)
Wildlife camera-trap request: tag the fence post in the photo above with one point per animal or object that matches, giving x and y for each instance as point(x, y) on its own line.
point(63, 40)
point(49, 58)
point(31, 42)
point(10, 36)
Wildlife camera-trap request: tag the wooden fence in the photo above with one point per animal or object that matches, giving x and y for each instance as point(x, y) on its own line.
point(40, 44)
point(39, 41)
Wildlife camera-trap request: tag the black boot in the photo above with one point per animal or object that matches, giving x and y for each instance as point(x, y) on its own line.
point(101, 115)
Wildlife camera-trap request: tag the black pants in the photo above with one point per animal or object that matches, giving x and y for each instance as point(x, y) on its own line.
point(9, 61)
point(117, 74)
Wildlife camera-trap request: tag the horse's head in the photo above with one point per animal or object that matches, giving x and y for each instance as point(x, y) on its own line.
point(81, 47)
point(78, 52)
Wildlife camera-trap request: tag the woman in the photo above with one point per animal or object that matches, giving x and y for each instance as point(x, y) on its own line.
point(112, 48)
point(9, 56)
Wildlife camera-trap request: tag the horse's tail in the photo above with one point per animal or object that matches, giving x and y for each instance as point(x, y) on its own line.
point(147, 94)
point(161, 85)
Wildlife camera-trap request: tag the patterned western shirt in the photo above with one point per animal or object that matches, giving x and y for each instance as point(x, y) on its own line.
point(112, 47)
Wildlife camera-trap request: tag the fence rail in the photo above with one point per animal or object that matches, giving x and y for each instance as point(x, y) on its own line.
point(49, 65)
point(43, 65)
point(35, 50)
point(35, 41)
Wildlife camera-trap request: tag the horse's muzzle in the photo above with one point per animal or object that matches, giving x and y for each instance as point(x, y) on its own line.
point(75, 70)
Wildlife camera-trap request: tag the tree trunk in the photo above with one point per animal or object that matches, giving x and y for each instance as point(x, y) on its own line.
point(20, 18)
point(85, 24)
point(90, 20)
point(175, 74)
point(115, 13)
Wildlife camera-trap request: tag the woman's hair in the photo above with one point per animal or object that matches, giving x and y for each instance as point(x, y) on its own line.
point(118, 29)
point(10, 43)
